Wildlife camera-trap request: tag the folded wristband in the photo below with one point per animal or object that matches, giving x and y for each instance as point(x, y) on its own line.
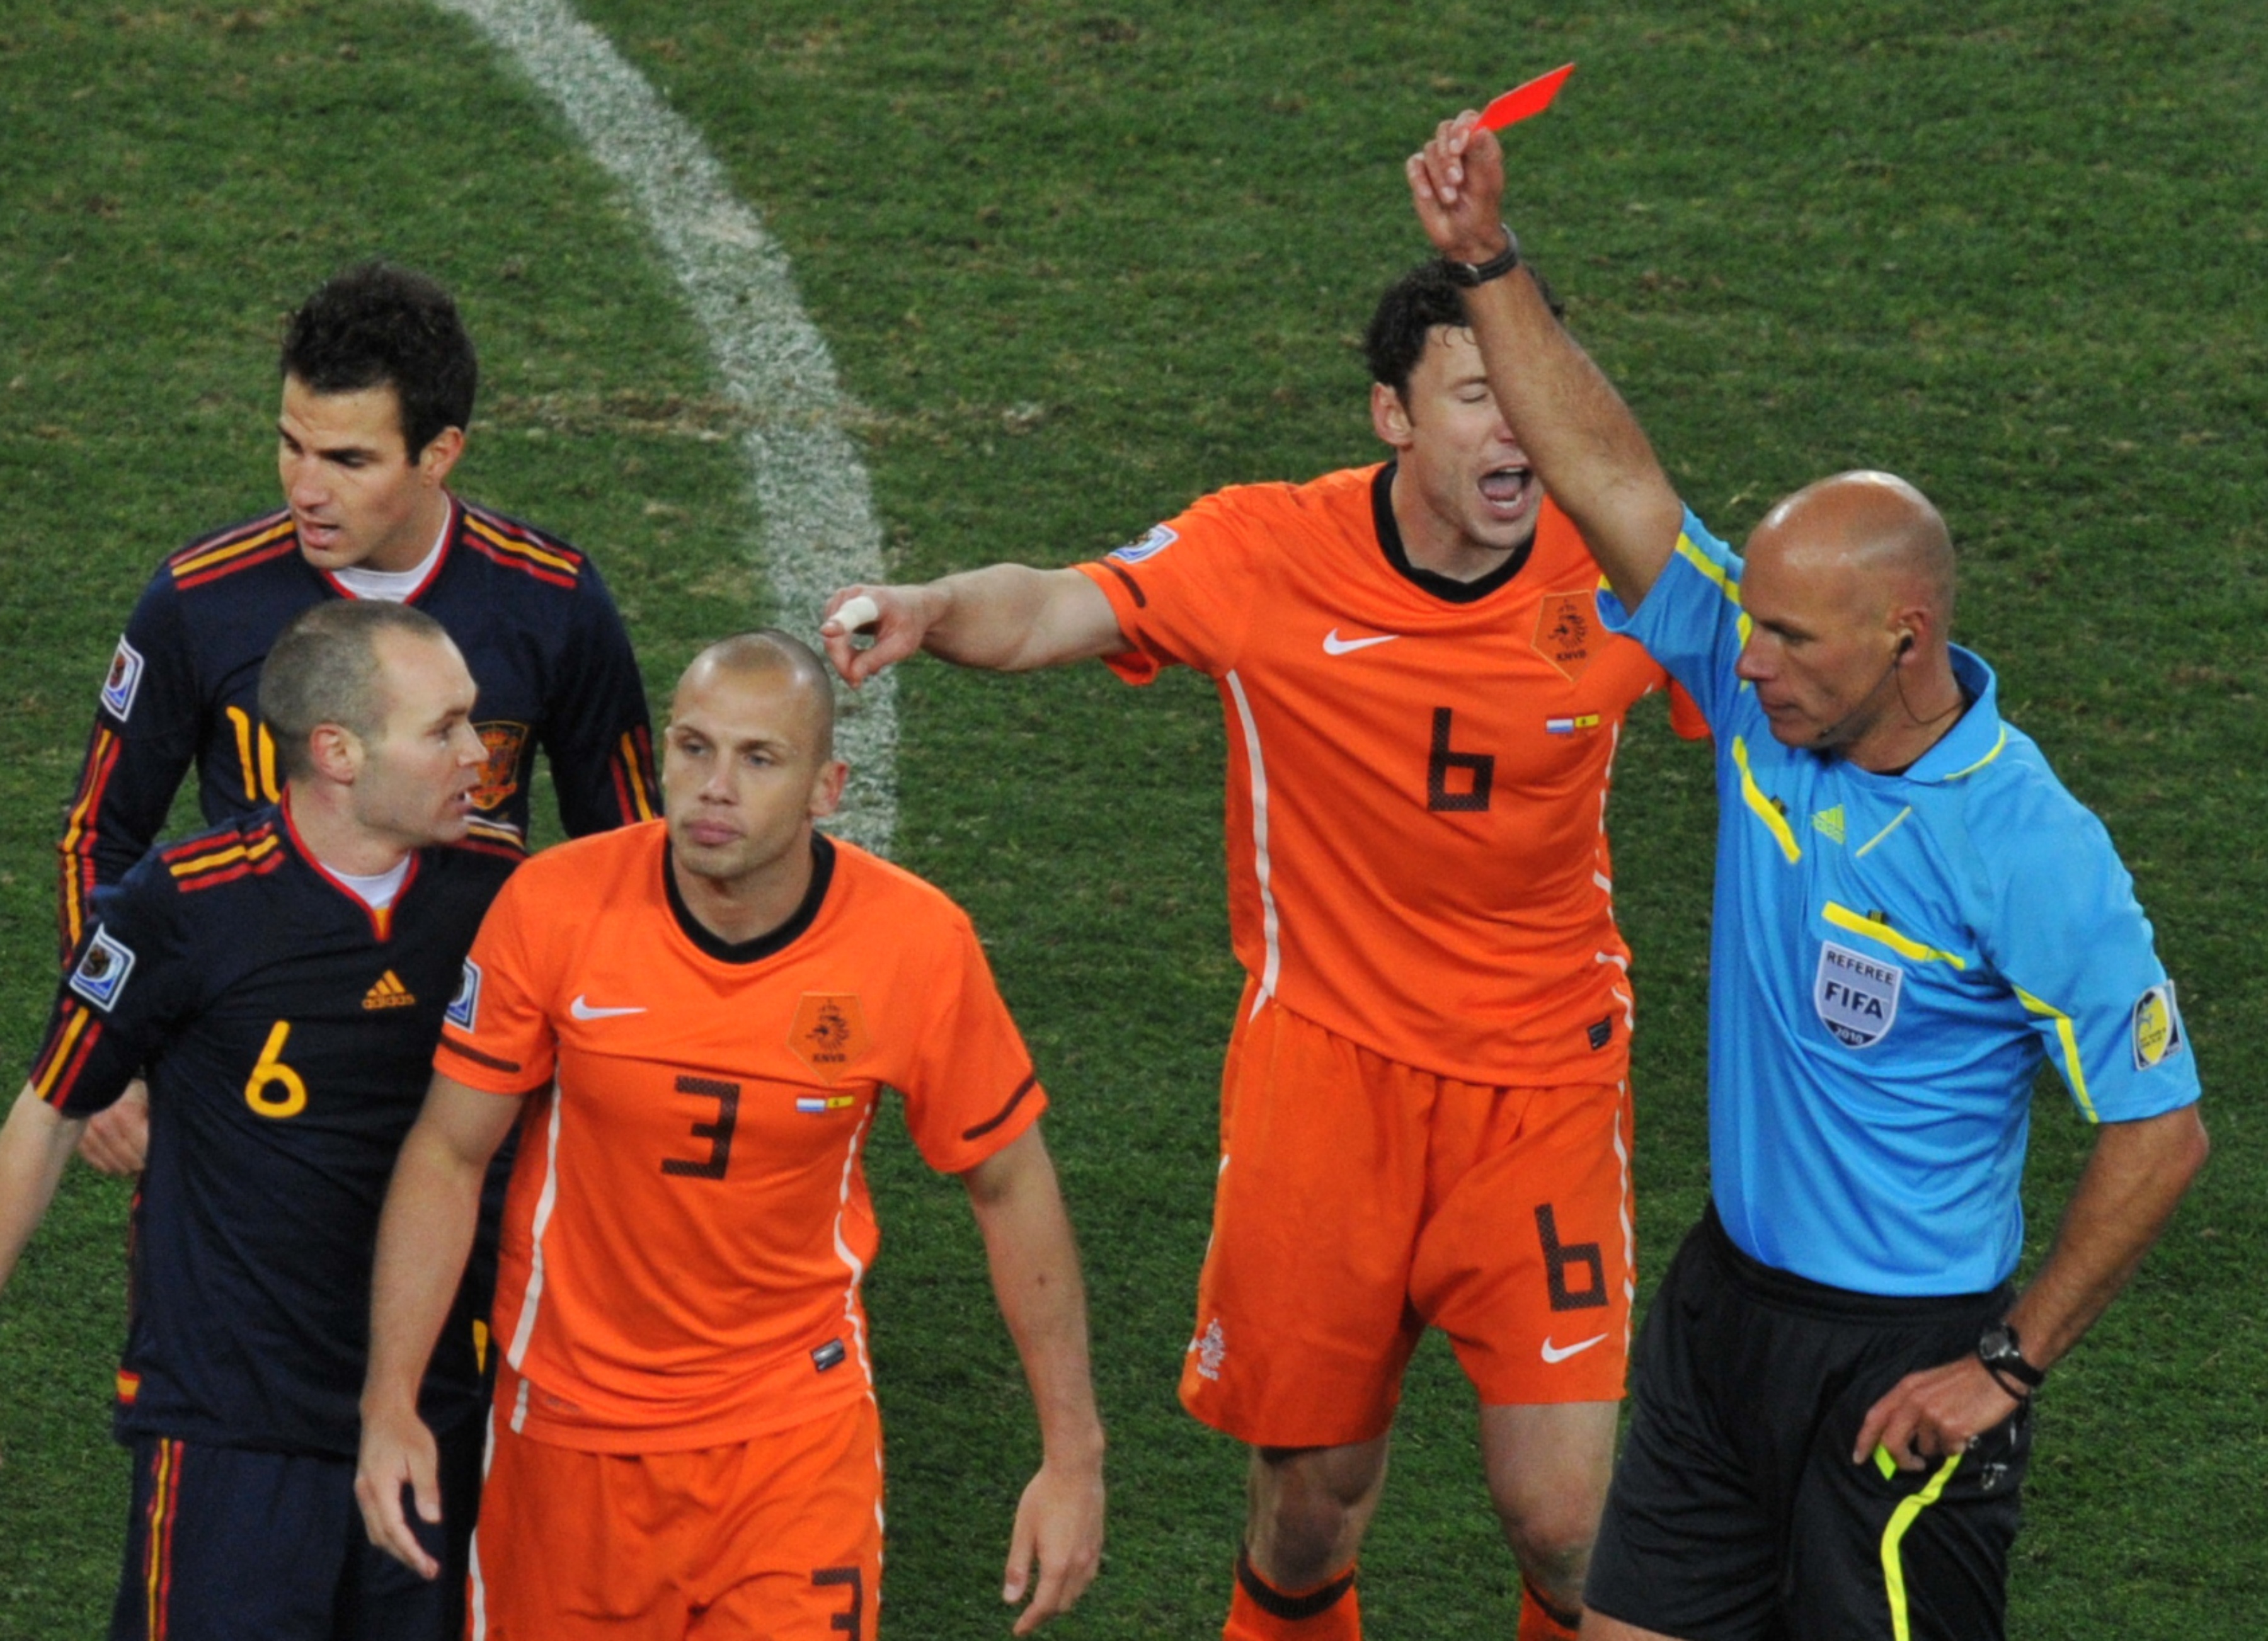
point(2020, 1391)
point(1471, 274)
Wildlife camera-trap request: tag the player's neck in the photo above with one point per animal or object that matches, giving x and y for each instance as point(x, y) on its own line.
point(408, 547)
point(324, 822)
point(738, 910)
point(1431, 543)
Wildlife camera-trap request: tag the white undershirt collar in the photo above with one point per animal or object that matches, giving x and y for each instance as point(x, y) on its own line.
point(378, 891)
point(394, 586)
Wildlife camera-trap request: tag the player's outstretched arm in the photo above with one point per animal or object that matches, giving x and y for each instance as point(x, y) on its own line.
point(1008, 618)
point(35, 1143)
point(1588, 447)
point(1035, 1263)
point(424, 1237)
point(2133, 1180)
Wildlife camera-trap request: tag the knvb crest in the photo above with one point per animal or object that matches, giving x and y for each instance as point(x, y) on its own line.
point(830, 1033)
point(1567, 631)
point(1857, 997)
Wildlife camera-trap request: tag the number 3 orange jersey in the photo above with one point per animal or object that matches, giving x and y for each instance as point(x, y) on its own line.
point(1417, 772)
point(689, 1221)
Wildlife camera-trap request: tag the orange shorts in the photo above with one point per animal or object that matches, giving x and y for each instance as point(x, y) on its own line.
point(1361, 1201)
point(778, 1537)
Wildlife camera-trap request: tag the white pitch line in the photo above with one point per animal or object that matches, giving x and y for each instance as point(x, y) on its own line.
point(817, 529)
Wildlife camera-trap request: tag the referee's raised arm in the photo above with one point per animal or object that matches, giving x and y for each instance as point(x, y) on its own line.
point(1587, 447)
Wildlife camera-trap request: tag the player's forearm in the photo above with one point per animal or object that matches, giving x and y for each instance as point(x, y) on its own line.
point(1012, 618)
point(1033, 1259)
point(424, 1236)
point(2130, 1186)
point(1588, 448)
point(35, 1143)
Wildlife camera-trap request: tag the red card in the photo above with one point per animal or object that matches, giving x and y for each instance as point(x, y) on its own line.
point(1522, 100)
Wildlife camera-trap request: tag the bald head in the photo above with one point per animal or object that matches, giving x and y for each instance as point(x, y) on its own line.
point(1873, 531)
point(778, 660)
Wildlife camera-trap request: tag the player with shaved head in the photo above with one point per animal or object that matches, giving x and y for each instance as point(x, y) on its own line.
point(283, 979)
point(702, 1012)
point(1834, 1386)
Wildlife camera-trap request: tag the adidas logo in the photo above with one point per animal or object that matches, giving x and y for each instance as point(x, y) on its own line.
point(1829, 822)
point(389, 993)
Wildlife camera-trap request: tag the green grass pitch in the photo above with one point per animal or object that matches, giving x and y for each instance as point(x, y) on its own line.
point(1080, 262)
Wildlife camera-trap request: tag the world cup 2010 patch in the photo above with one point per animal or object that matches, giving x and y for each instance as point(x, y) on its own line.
point(1154, 542)
point(123, 681)
point(1857, 997)
point(2158, 1034)
point(102, 969)
point(464, 1010)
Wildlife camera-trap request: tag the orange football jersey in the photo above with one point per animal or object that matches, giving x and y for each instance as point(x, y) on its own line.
point(1417, 772)
point(689, 1221)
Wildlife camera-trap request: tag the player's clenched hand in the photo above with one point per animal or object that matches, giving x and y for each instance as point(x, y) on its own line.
point(902, 620)
point(1937, 1411)
point(398, 1451)
point(117, 1140)
point(1456, 182)
point(1059, 1522)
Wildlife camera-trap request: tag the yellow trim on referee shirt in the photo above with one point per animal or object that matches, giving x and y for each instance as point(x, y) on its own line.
point(1998, 747)
point(2073, 1072)
point(1715, 571)
point(1843, 918)
point(1753, 795)
point(1894, 1570)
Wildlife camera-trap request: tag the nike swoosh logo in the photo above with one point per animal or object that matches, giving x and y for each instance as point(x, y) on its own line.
point(583, 1010)
point(1552, 1353)
point(1333, 644)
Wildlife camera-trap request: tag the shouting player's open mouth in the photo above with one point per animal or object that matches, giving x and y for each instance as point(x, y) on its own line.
point(1508, 491)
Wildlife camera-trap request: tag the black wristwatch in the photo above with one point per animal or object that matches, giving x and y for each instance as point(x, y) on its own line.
point(1471, 274)
point(2003, 1356)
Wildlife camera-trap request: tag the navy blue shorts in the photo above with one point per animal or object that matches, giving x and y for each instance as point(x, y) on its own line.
point(225, 1542)
point(1736, 1514)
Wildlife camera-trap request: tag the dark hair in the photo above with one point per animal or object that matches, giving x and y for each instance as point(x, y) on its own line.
point(377, 324)
point(324, 669)
point(1414, 306)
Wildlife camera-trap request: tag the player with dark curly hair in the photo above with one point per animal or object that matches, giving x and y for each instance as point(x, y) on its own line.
point(378, 377)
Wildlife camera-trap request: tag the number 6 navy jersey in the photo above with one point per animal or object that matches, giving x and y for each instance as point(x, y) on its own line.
point(537, 630)
point(287, 1031)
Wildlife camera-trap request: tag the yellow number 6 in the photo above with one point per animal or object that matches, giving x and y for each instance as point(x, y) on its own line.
point(270, 1072)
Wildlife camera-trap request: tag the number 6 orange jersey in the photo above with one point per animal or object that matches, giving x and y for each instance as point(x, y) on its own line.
point(688, 1221)
point(1417, 772)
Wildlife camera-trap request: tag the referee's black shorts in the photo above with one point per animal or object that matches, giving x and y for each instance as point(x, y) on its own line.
point(1736, 1514)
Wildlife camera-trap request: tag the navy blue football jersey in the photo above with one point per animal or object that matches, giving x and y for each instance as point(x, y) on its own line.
point(538, 628)
point(287, 1031)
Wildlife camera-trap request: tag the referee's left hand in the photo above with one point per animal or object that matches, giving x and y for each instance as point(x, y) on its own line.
point(1938, 1411)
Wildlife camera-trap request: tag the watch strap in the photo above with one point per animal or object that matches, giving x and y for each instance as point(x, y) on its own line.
point(1471, 274)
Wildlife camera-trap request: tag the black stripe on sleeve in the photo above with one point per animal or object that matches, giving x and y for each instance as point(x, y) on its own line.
point(1024, 1087)
point(1141, 601)
point(491, 1061)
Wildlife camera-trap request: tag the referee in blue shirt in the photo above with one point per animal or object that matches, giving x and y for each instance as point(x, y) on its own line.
point(1832, 1389)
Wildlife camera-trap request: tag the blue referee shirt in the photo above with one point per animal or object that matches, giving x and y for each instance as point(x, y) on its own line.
point(1891, 957)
